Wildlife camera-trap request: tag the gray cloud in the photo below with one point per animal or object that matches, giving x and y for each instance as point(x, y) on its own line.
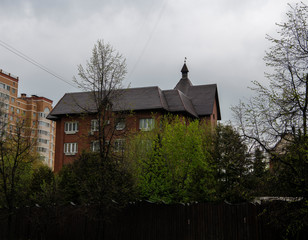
point(223, 40)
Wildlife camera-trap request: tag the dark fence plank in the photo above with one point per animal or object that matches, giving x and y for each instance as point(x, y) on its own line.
point(142, 221)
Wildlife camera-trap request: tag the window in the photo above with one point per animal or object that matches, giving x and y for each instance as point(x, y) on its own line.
point(119, 145)
point(18, 110)
point(8, 88)
point(42, 149)
point(42, 115)
point(34, 114)
point(94, 125)
point(12, 100)
point(13, 90)
point(4, 96)
point(95, 146)
point(41, 140)
point(71, 127)
point(146, 124)
point(44, 124)
point(120, 124)
point(42, 132)
point(70, 148)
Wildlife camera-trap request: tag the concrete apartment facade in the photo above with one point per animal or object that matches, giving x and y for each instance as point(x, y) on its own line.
point(75, 114)
point(32, 109)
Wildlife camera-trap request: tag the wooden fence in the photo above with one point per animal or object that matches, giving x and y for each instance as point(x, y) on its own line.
point(141, 221)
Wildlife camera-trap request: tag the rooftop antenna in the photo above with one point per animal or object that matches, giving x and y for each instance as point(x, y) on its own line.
point(185, 60)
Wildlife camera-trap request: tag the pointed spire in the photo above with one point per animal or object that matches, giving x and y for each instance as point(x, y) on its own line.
point(184, 84)
point(184, 69)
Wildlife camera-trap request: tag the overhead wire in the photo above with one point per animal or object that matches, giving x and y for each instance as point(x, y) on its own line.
point(35, 63)
point(160, 14)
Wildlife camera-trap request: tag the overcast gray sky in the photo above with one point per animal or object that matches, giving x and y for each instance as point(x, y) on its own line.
point(223, 40)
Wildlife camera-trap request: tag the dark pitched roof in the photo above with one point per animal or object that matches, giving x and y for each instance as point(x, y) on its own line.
point(196, 101)
point(178, 102)
point(148, 98)
point(203, 97)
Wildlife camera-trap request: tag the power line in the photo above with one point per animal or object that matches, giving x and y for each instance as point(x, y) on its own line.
point(160, 14)
point(35, 63)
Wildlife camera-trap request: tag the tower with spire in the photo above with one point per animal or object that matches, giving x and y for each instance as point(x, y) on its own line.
point(184, 83)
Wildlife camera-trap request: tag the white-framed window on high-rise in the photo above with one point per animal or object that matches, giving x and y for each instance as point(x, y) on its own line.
point(70, 127)
point(43, 124)
point(42, 149)
point(94, 125)
point(41, 140)
point(70, 148)
point(146, 124)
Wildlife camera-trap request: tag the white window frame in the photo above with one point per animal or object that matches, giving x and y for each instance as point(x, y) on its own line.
point(95, 146)
point(70, 148)
point(70, 127)
point(146, 124)
point(119, 145)
point(94, 125)
point(120, 125)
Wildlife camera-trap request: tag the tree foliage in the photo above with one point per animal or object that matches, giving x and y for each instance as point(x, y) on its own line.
point(16, 159)
point(43, 189)
point(233, 165)
point(173, 162)
point(107, 187)
point(276, 118)
point(103, 76)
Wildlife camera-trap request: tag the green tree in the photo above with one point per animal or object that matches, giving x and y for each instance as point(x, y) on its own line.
point(276, 117)
point(102, 177)
point(16, 160)
point(102, 77)
point(42, 189)
point(173, 162)
point(233, 165)
point(108, 188)
point(260, 176)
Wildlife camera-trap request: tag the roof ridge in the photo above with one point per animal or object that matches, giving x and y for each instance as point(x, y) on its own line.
point(185, 107)
point(160, 98)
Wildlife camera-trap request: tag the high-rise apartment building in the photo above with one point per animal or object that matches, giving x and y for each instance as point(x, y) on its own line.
point(30, 109)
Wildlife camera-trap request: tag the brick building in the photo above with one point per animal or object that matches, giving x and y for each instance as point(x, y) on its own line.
point(31, 109)
point(76, 123)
